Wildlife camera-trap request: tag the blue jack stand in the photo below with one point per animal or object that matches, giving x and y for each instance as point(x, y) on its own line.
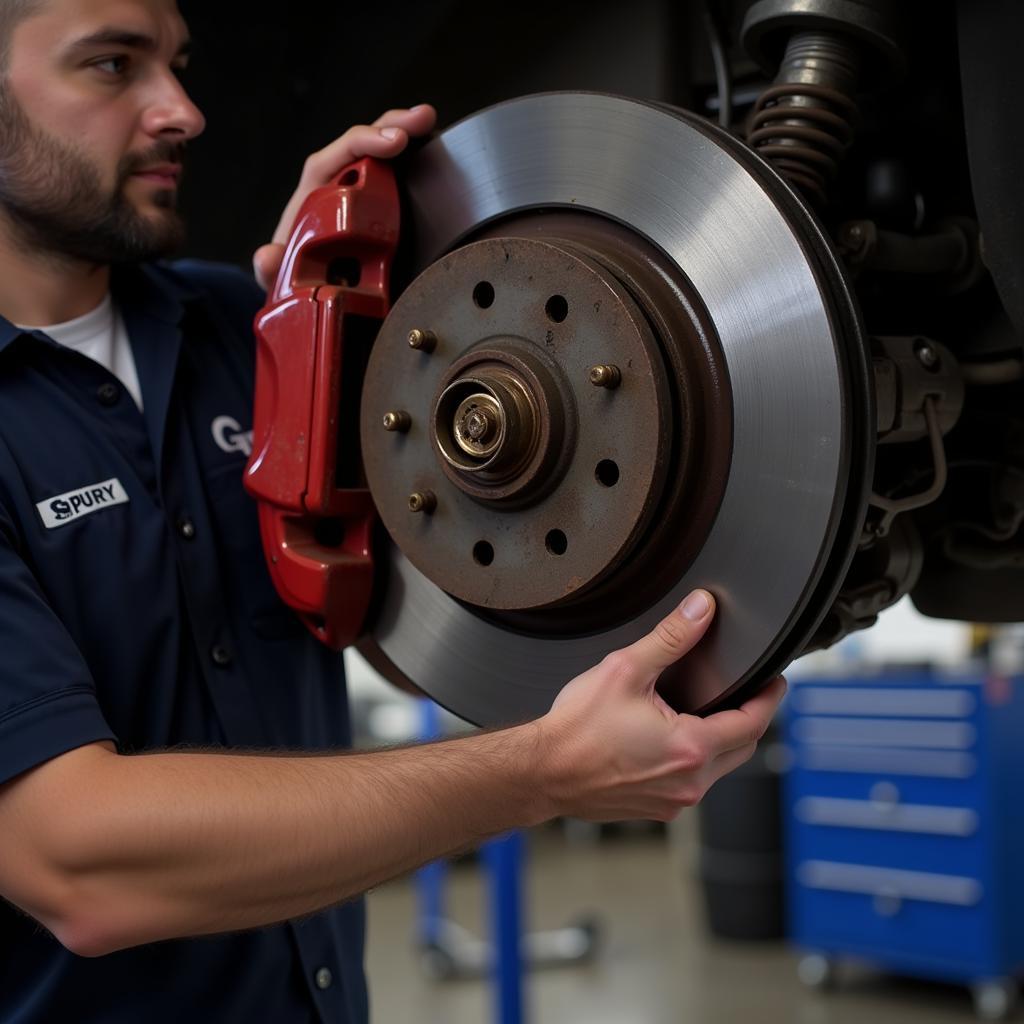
point(450, 951)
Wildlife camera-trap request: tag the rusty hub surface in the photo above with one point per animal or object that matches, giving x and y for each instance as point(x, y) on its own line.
point(700, 435)
point(544, 482)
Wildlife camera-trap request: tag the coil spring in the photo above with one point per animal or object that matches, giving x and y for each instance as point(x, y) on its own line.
point(803, 130)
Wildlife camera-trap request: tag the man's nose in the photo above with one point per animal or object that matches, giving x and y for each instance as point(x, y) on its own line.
point(171, 112)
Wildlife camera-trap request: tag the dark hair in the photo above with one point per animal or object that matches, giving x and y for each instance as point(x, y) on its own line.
point(11, 12)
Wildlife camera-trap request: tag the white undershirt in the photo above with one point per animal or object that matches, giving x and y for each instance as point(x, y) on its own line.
point(100, 335)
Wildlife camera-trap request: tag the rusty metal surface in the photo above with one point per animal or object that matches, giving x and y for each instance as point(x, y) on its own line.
point(693, 197)
point(701, 431)
point(568, 508)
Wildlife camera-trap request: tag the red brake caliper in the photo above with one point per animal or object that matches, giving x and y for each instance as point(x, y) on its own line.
point(317, 529)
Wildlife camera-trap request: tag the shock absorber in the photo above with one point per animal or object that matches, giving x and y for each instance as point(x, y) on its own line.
point(805, 121)
point(825, 52)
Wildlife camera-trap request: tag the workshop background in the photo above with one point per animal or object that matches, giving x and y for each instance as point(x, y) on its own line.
point(273, 92)
point(728, 913)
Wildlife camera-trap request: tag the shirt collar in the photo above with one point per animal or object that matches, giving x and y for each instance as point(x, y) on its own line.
point(154, 287)
point(8, 333)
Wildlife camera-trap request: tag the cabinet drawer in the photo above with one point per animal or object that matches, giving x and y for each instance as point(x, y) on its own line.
point(840, 905)
point(969, 791)
point(926, 837)
point(910, 851)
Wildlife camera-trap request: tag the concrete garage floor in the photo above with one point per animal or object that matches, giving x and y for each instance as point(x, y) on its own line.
point(656, 964)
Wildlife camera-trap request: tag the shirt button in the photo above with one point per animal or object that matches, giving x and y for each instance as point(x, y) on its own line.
point(323, 978)
point(221, 655)
point(108, 393)
point(186, 528)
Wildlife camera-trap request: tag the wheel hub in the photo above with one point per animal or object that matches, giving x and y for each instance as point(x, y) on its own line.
point(544, 477)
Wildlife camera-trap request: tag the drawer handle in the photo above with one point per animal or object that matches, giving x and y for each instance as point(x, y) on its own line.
point(880, 701)
point(869, 814)
point(887, 904)
point(955, 890)
point(943, 764)
point(885, 732)
point(885, 794)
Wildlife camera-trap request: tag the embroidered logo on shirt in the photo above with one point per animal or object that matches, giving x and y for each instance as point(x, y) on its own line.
point(74, 504)
point(230, 436)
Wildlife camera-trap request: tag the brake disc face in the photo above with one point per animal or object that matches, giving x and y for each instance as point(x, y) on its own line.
point(626, 368)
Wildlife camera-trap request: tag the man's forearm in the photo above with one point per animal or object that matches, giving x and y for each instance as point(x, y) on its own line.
point(177, 844)
point(110, 851)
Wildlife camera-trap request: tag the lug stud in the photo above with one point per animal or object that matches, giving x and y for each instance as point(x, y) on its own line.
point(422, 501)
point(398, 420)
point(927, 356)
point(605, 376)
point(422, 341)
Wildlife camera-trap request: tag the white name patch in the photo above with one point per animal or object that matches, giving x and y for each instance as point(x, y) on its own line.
point(63, 508)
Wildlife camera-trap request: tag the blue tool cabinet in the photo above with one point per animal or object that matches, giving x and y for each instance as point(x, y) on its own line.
point(904, 805)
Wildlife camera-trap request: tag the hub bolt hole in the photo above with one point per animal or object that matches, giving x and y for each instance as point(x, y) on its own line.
point(483, 294)
point(607, 473)
point(556, 542)
point(483, 553)
point(556, 308)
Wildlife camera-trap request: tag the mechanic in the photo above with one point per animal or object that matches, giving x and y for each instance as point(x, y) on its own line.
point(179, 831)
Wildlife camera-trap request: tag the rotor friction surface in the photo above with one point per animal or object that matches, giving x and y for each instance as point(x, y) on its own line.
point(676, 186)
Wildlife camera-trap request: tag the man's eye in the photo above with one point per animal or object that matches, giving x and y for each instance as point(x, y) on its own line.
point(112, 65)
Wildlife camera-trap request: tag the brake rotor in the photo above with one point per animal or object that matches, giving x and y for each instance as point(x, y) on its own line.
point(628, 366)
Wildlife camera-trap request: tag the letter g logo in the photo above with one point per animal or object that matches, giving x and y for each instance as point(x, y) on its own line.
point(229, 436)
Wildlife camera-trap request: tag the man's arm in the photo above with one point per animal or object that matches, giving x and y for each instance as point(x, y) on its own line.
point(110, 851)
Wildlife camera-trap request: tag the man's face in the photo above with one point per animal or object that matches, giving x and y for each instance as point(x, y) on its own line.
point(93, 125)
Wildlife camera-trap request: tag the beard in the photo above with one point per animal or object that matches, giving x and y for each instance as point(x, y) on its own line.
point(54, 198)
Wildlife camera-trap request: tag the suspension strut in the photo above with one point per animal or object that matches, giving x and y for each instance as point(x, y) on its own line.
point(826, 51)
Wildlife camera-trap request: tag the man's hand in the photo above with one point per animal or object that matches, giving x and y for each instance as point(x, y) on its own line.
point(385, 138)
point(619, 751)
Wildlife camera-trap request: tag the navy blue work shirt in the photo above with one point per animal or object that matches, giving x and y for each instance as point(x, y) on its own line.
point(135, 606)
